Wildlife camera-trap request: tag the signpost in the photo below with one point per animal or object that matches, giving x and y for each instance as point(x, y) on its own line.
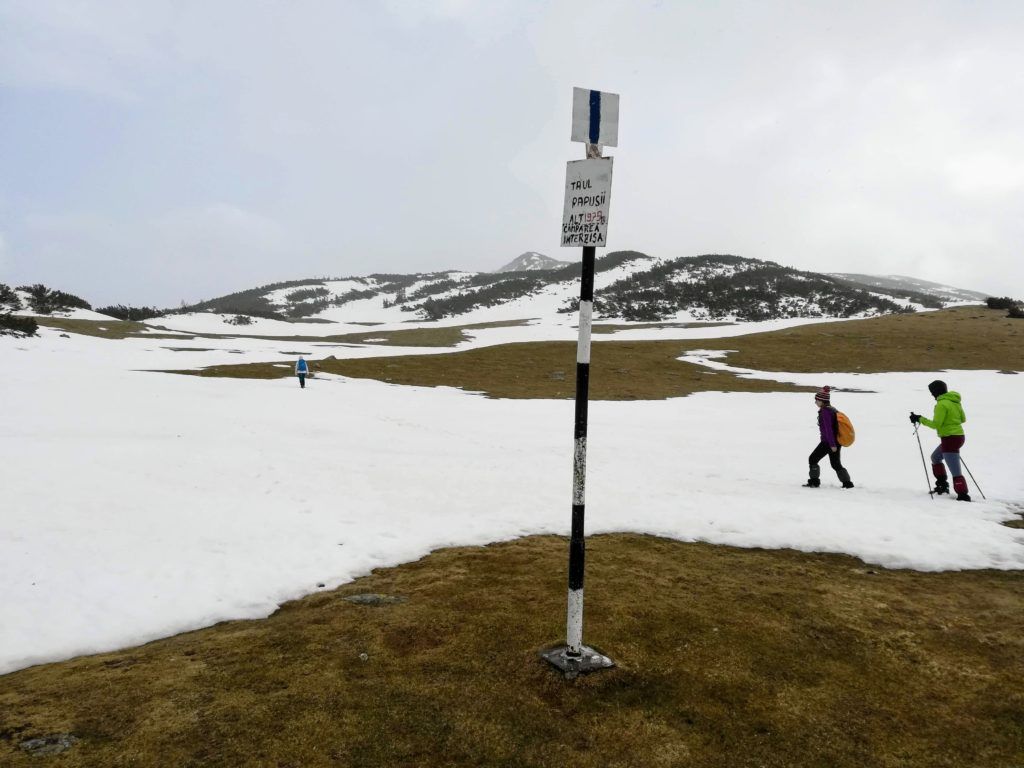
point(588, 186)
point(588, 191)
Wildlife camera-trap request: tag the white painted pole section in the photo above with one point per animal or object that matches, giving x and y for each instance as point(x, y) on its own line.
point(574, 623)
point(586, 321)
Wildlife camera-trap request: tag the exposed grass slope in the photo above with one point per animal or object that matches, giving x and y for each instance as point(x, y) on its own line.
point(619, 371)
point(727, 657)
point(958, 338)
point(444, 336)
point(105, 329)
point(962, 338)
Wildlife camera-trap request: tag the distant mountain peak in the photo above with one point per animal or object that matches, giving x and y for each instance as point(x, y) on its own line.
point(531, 261)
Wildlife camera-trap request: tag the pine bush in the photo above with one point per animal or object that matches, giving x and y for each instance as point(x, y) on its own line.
point(16, 325)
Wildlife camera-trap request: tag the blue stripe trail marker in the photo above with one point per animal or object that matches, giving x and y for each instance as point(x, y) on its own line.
point(595, 117)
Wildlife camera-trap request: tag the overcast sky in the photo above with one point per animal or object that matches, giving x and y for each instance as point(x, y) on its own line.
point(153, 152)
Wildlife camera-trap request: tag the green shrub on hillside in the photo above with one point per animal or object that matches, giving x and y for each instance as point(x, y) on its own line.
point(390, 283)
point(441, 286)
point(717, 286)
point(44, 301)
point(497, 292)
point(16, 325)
point(251, 302)
point(1002, 302)
point(303, 294)
point(9, 299)
point(309, 308)
point(352, 295)
point(136, 314)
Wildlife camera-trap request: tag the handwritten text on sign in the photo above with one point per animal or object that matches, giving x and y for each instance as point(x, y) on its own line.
point(588, 191)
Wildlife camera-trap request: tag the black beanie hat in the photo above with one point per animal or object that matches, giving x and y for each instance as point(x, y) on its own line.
point(937, 388)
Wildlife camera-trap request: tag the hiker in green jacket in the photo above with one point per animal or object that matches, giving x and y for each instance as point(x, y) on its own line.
point(948, 422)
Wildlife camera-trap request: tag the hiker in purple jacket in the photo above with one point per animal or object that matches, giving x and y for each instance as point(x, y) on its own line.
point(828, 430)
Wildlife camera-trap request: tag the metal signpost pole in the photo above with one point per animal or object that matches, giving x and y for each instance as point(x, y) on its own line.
point(577, 547)
point(584, 222)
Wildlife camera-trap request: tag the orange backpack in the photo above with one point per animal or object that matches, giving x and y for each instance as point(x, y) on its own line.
point(846, 434)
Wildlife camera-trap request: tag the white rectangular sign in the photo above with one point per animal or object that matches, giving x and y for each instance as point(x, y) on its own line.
point(595, 117)
point(588, 192)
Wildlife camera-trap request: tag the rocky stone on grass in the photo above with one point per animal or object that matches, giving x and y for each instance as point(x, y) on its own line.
point(372, 598)
point(53, 744)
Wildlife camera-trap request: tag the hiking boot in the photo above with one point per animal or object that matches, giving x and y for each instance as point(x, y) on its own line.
point(963, 496)
point(844, 477)
point(812, 483)
point(847, 484)
point(941, 487)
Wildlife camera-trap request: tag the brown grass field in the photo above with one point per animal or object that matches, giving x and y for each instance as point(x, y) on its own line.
point(961, 338)
point(441, 336)
point(726, 657)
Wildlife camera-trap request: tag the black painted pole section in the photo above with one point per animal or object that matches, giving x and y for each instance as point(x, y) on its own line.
point(577, 549)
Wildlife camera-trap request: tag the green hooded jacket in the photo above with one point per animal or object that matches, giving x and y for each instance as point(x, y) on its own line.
point(949, 415)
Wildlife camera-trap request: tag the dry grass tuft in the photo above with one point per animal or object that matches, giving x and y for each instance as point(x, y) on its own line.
point(726, 657)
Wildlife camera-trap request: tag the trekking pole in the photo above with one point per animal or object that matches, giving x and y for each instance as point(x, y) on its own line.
point(972, 478)
point(925, 466)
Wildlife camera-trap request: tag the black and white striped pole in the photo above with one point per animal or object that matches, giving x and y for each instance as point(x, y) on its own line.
point(584, 223)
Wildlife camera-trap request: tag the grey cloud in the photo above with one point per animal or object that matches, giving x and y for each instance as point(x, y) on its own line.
point(288, 140)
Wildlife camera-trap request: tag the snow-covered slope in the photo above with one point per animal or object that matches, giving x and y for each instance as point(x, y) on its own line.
point(20, 302)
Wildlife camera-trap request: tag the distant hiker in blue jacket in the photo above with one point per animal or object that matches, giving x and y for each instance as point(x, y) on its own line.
point(301, 370)
point(828, 445)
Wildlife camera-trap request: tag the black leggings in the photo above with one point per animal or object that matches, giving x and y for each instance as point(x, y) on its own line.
point(833, 457)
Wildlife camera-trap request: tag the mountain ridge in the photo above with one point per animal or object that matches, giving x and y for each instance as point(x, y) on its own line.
point(631, 286)
point(902, 282)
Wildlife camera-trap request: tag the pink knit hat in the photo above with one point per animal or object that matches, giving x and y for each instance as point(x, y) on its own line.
point(824, 395)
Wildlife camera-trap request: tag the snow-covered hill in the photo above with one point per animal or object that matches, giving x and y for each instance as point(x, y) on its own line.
point(630, 286)
point(56, 303)
point(945, 293)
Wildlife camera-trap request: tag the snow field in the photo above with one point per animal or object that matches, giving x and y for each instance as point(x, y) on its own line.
point(137, 505)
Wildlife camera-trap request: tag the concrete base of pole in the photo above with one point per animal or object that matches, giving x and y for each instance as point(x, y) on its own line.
point(572, 666)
